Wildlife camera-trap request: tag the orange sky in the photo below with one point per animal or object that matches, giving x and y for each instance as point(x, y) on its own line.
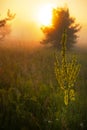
point(27, 12)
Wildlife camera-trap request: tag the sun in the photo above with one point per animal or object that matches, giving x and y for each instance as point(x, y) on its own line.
point(45, 15)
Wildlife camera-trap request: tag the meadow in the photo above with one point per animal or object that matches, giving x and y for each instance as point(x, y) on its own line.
point(30, 97)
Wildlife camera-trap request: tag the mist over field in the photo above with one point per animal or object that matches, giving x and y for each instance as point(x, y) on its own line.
point(26, 27)
point(31, 35)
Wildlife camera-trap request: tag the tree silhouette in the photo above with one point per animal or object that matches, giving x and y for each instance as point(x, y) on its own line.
point(4, 28)
point(61, 21)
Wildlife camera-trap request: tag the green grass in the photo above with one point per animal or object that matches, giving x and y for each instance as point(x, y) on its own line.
point(29, 93)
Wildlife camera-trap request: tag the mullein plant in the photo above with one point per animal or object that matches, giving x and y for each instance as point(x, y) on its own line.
point(67, 72)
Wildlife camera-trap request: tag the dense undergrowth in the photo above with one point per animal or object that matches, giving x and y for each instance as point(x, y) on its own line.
point(30, 98)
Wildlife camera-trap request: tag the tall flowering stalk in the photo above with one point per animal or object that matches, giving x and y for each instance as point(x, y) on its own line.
point(66, 72)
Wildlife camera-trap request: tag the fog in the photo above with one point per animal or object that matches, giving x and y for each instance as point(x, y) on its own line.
point(23, 33)
point(82, 37)
point(29, 34)
point(26, 30)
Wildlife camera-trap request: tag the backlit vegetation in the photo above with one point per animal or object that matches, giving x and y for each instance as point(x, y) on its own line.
point(30, 97)
point(66, 73)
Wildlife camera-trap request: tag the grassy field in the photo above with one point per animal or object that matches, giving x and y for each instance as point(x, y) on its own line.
point(30, 98)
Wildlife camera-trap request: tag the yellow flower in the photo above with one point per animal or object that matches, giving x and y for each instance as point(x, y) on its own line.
point(72, 95)
point(66, 98)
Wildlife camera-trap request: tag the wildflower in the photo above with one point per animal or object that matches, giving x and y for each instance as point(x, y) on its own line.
point(66, 98)
point(66, 73)
point(49, 121)
point(72, 95)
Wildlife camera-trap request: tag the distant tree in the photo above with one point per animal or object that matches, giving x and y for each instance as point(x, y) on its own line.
point(61, 21)
point(4, 27)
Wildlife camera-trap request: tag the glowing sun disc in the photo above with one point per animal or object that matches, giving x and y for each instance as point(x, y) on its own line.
point(45, 15)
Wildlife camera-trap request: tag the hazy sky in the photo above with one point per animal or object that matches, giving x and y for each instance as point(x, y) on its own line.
point(27, 12)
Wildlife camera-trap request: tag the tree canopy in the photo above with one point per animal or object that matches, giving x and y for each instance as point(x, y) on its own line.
point(61, 20)
point(4, 28)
